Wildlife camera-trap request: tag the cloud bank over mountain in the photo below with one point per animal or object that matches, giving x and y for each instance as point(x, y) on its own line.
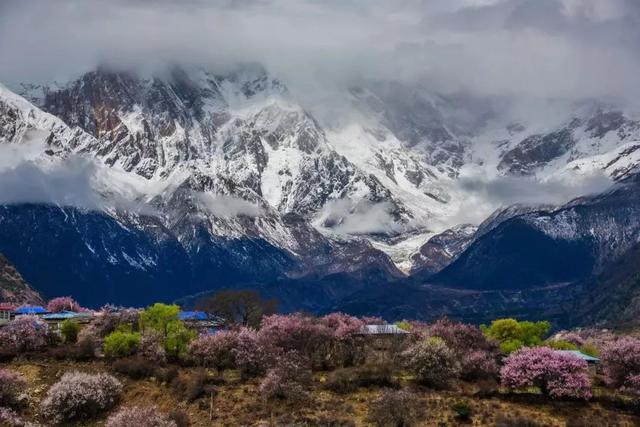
point(555, 48)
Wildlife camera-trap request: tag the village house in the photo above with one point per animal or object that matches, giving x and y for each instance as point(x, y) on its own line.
point(200, 321)
point(381, 342)
point(6, 313)
point(56, 319)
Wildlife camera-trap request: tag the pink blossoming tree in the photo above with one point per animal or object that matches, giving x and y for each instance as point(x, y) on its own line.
point(558, 375)
point(621, 364)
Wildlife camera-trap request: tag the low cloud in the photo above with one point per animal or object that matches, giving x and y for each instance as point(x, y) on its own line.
point(482, 194)
point(63, 183)
point(228, 206)
point(346, 216)
point(544, 48)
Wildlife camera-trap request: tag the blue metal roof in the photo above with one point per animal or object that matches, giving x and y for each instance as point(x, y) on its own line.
point(581, 355)
point(193, 315)
point(61, 315)
point(31, 309)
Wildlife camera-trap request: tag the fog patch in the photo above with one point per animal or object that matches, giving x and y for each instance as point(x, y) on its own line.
point(226, 206)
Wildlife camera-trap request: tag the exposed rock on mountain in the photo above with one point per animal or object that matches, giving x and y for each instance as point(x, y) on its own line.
point(549, 247)
point(212, 180)
point(441, 250)
point(13, 288)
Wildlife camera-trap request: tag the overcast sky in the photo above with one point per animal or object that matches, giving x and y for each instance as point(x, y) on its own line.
point(558, 48)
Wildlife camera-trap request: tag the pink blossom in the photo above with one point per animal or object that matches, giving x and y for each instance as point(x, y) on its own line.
point(11, 384)
point(59, 304)
point(216, 351)
point(252, 354)
point(78, 396)
point(10, 418)
point(556, 374)
point(288, 379)
point(26, 333)
point(139, 417)
point(342, 326)
point(432, 362)
point(621, 364)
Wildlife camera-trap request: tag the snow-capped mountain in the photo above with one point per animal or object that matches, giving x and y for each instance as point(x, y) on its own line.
point(233, 173)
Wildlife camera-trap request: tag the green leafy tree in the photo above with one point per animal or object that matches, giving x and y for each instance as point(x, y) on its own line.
point(121, 343)
point(158, 317)
point(178, 338)
point(513, 335)
point(164, 319)
point(69, 330)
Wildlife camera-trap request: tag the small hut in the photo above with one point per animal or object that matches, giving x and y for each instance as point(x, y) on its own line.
point(382, 342)
point(56, 319)
point(6, 313)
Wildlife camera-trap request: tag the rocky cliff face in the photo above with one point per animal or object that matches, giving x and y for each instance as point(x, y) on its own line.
point(13, 288)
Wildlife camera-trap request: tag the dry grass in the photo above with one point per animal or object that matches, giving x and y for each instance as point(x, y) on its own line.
point(232, 402)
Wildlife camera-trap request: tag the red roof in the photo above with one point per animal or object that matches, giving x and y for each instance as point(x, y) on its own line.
point(7, 307)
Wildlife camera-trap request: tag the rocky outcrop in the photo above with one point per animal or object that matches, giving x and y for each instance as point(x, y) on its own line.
point(13, 288)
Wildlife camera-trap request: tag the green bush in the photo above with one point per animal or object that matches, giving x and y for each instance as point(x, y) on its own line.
point(69, 330)
point(561, 345)
point(590, 349)
point(121, 343)
point(463, 411)
point(512, 335)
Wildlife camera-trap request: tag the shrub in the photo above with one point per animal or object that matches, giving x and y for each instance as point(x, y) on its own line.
point(110, 321)
point(556, 374)
point(10, 418)
point(573, 338)
point(214, 351)
point(462, 410)
point(167, 374)
point(252, 355)
point(151, 347)
point(180, 417)
point(404, 325)
point(590, 349)
point(395, 408)
point(288, 379)
point(139, 417)
point(78, 396)
point(11, 385)
point(85, 349)
point(340, 347)
point(513, 335)
point(27, 333)
point(59, 304)
point(134, 367)
point(621, 364)
point(121, 343)
point(295, 332)
point(193, 386)
point(432, 362)
point(69, 330)
point(476, 353)
point(560, 344)
point(478, 364)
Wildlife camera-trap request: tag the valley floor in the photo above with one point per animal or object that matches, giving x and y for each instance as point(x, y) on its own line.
point(232, 402)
